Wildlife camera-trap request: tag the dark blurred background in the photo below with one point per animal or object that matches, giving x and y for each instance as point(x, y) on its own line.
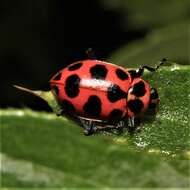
point(39, 37)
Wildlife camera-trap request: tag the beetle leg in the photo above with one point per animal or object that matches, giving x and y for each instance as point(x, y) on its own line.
point(89, 127)
point(131, 122)
point(116, 129)
point(120, 126)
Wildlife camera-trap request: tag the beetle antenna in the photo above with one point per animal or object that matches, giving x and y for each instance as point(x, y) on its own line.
point(151, 69)
point(162, 62)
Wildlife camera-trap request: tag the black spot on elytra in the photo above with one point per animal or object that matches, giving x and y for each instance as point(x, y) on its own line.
point(93, 106)
point(115, 93)
point(57, 76)
point(139, 89)
point(98, 72)
point(121, 74)
point(72, 86)
point(74, 66)
point(55, 90)
point(115, 114)
point(67, 106)
point(135, 106)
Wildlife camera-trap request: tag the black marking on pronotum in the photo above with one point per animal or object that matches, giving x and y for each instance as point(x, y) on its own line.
point(133, 74)
point(67, 106)
point(139, 89)
point(93, 106)
point(121, 74)
point(98, 71)
point(55, 90)
point(115, 93)
point(135, 106)
point(75, 66)
point(57, 76)
point(72, 86)
point(115, 114)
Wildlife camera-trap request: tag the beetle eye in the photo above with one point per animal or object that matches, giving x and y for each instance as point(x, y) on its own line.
point(153, 94)
point(154, 99)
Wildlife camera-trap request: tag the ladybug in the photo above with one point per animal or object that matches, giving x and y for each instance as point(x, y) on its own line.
point(99, 93)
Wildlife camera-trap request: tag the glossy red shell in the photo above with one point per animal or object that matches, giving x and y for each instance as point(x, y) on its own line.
point(93, 86)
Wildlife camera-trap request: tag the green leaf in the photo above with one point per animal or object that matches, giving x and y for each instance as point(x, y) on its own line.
point(42, 150)
point(169, 133)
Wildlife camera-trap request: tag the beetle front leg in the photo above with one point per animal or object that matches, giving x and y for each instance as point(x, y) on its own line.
point(131, 121)
point(115, 128)
point(89, 127)
point(120, 126)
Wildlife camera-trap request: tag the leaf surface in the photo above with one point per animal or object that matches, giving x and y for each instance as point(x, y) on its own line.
point(155, 156)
